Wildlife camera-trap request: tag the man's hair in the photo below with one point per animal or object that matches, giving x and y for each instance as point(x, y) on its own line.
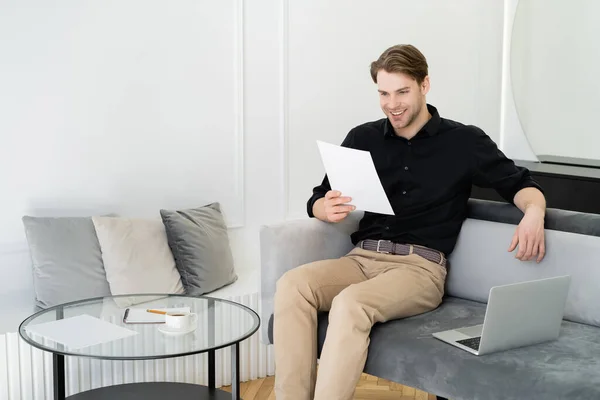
point(404, 58)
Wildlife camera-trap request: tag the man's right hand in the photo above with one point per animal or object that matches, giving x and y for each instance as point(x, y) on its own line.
point(333, 207)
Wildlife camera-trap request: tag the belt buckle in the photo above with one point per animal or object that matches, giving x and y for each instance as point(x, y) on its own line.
point(378, 244)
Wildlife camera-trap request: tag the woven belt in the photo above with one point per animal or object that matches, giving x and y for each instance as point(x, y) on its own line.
point(400, 249)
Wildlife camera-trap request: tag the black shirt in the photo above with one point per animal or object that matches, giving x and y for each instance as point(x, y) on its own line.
point(428, 179)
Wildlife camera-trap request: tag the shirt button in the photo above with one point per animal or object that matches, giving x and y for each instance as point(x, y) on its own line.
point(387, 228)
point(406, 168)
point(404, 192)
point(409, 143)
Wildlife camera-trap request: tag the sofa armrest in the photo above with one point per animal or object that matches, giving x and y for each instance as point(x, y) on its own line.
point(289, 244)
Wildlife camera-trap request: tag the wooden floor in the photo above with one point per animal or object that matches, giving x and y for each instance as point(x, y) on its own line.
point(369, 388)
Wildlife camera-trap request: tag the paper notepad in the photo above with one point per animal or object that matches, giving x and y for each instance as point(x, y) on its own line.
point(80, 331)
point(141, 316)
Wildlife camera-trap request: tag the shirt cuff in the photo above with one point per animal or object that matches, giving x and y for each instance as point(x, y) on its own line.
point(526, 183)
point(311, 202)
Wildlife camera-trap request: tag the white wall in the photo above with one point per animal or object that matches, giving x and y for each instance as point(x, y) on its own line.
point(331, 46)
point(129, 106)
point(124, 107)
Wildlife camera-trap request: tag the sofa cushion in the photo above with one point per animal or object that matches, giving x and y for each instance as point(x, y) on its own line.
point(200, 244)
point(66, 259)
point(136, 257)
point(405, 352)
point(481, 260)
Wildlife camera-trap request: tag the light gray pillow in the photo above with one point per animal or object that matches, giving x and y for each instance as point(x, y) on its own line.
point(200, 245)
point(66, 258)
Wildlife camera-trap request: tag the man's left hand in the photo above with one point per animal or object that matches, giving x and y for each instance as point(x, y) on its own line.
point(529, 236)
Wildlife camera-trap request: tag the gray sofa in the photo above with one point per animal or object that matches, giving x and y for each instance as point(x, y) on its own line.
point(404, 351)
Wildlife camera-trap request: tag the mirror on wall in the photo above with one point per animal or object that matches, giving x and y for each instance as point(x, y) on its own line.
point(555, 74)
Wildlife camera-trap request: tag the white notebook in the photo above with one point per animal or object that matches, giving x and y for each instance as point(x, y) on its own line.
point(141, 316)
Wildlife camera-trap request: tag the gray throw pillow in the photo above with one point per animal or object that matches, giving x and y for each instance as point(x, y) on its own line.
point(200, 245)
point(66, 258)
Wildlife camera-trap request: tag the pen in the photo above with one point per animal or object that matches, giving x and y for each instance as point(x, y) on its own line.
point(156, 311)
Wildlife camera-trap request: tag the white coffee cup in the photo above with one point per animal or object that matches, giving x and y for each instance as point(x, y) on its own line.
point(181, 321)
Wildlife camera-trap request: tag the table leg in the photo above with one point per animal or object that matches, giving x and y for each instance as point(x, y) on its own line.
point(211, 342)
point(235, 371)
point(58, 362)
point(58, 366)
point(211, 369)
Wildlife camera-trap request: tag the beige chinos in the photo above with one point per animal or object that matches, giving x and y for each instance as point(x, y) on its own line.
point(359, 289)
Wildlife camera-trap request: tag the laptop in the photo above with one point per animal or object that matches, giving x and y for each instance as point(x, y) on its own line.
point(517, 315)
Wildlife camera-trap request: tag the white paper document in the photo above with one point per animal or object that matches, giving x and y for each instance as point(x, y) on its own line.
point(352, 172)
point(80, 331)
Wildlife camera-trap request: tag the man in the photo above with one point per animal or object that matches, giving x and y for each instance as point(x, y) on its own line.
point(427, 165)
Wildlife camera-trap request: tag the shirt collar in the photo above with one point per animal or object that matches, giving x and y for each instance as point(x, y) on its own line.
point(431, 128)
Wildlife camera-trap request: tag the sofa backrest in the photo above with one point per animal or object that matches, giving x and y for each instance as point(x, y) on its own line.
point(481, 260)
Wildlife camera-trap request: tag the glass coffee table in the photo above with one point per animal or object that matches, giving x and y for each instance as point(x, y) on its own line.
point(147, 342)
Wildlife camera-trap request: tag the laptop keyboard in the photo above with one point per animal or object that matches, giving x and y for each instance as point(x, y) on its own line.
point(472, 343)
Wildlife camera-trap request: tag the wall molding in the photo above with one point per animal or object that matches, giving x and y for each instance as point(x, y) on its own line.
point(238, 95)
point(9, 248)
point(284, 111)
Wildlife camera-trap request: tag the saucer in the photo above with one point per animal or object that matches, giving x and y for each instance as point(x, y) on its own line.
point(171, 331)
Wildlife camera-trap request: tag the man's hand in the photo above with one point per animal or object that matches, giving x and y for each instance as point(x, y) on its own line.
point(333, 207)
point(529, 235)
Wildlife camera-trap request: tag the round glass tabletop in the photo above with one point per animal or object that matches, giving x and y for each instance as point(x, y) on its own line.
point(120, 328)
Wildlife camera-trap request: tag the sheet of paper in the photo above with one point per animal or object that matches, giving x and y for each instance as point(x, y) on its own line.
point(80, 331)
point(353, 173)
point(141, 316)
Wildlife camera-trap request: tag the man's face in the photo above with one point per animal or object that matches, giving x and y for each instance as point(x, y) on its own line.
point(400, 97)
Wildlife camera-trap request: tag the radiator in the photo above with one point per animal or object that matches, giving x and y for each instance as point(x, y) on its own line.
point(26, 372)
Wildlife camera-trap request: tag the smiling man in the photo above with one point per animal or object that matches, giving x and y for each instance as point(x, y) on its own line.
point(427, 165)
